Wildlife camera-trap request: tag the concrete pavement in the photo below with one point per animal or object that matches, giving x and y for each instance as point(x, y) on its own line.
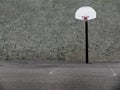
point(59, 76)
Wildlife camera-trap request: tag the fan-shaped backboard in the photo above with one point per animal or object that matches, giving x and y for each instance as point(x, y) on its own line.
point(85, 12)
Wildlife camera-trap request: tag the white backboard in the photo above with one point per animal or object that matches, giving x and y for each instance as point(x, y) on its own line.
point(85, 12)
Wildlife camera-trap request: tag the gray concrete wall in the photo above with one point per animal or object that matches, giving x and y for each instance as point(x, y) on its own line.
point(47, 30)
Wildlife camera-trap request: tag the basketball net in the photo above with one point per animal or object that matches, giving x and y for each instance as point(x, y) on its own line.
point(85, 18)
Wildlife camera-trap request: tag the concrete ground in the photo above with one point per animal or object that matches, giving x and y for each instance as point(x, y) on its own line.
point(59, 76)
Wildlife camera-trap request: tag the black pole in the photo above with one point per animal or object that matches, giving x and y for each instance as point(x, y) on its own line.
point(86, 42)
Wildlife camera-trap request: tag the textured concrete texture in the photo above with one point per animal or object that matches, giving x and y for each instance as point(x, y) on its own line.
point(63, 76)
point(47, 30)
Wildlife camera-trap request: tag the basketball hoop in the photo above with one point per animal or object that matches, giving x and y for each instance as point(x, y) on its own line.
point(86, 13)
point(85, 18)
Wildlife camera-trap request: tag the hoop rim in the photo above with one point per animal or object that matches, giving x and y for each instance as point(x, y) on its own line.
point(85, 18)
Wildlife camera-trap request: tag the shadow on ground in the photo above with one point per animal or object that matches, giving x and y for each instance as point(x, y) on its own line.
point(117, 87)
point(1, 87)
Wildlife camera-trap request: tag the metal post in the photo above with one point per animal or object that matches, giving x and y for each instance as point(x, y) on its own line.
point(86, 42)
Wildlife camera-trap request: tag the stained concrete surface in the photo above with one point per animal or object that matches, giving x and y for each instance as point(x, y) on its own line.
point(64, 76)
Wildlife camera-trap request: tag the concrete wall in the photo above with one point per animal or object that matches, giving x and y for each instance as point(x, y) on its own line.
point(47, 30)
